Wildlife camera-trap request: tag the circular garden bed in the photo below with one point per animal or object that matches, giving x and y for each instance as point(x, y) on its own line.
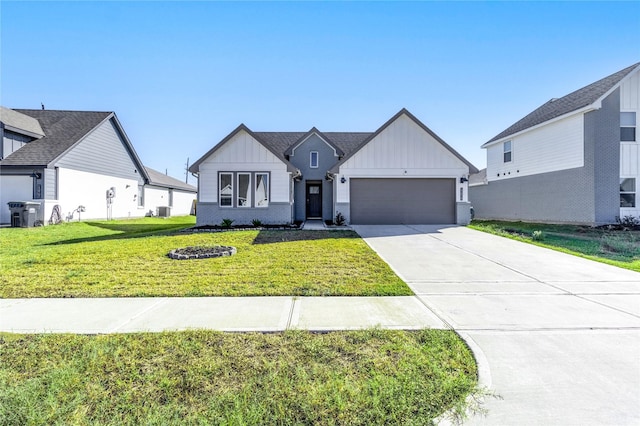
point(200, 252)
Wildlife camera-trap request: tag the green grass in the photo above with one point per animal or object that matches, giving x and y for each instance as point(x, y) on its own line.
point(369, 377)
point(615, 247)
point(129, 258)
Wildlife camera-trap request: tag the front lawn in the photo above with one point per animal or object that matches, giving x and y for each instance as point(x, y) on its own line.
point(129, 258)
point(615, 247)
point(369, 377)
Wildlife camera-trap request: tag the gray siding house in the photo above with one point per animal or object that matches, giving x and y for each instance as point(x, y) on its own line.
point(71, 159)
point(575, 159)
point(400, 173)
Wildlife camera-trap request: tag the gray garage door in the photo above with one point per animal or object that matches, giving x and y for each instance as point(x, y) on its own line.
point(402, 200)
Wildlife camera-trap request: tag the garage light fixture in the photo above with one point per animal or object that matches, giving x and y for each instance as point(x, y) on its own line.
point(463, 179)
point(343, 179)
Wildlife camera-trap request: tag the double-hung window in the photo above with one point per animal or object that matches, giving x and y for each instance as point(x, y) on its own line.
point(225, 182)
point(628, 126)
point(627, 192)
point(244, 190)
point(506, 149)
point(262, 190)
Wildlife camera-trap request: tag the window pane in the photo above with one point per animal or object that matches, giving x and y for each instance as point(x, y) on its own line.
point(627, 119)
point(507, 157)
point(262, 190)
point(140, 196)
point(628, 185)
point(314, 159)
point(627, 200)
point(226, 189)
point(244, 190)
point(627, 134)
point(507, 146)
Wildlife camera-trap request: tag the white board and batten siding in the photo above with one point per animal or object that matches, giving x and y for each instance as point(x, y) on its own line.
point(556, 146)
point(242, 153)
point(630, 151)
point(402, 150)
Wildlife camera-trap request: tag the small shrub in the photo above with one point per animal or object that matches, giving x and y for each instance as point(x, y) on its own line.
point(339, 220)
point(628, 221)
point(256, 222)
point(537, 236)
point(226, 223)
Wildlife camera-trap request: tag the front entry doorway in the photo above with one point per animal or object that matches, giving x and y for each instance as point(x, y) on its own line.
point(314, 200)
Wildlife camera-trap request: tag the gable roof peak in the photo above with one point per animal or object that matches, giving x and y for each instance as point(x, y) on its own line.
point(586, 96)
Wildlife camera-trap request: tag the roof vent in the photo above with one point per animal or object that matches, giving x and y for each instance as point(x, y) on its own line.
point(553, 99)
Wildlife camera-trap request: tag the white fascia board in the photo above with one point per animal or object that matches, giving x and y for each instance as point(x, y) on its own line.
point(582, 110)
point(598, 103)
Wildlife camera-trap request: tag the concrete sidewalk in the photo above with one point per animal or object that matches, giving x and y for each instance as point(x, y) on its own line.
point(126, 315)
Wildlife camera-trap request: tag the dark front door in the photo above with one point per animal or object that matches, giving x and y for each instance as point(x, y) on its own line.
point(314, 200)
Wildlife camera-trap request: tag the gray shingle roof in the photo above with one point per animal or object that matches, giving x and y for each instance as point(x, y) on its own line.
point(62, 130)
point(571, 102)
point(279, 143)
point(282, 141)
point(160, 179)
point(16, 121)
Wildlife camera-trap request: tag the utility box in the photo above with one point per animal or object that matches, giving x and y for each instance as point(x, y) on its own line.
point(23, 213)
point(163, 211)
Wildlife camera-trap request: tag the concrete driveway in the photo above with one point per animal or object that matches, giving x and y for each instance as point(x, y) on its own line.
point(557, 337)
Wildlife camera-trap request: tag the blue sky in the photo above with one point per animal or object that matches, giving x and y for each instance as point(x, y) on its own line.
point(182, 75)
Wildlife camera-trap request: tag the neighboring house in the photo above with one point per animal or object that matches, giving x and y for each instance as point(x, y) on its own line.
point(72, 159)
point(401, 173)
point(164, 191)
point(573, 160)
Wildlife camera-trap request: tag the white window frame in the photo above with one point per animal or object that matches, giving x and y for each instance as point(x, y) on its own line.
point(505, 151)
point(311, 154)
point(220, 189)
point(634, 126)
point(634, 193)
point(267, 189)
point(247, 202)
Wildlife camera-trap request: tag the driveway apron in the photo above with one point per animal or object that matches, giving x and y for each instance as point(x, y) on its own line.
point(558, 336)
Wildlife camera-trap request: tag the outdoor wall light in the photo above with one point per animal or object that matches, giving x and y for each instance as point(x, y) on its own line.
point(36, 175)
point(343, 179)
point(463, 179)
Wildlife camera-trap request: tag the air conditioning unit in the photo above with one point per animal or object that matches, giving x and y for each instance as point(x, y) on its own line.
point(163, 211)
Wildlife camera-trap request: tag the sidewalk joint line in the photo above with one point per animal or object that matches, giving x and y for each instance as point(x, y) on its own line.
point(291, 309)
point(138, 315)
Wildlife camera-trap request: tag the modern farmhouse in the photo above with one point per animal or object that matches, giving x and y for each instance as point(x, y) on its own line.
point(400, 173)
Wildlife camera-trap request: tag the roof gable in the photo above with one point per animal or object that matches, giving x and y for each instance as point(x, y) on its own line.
point(323, 137)
point(63, 131)
point(269, 145)
point(574, 101)
point(405, 112)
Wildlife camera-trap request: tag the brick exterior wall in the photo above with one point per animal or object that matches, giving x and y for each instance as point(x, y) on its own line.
point(584, 195)
point(602, 146)
point(211, 214)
